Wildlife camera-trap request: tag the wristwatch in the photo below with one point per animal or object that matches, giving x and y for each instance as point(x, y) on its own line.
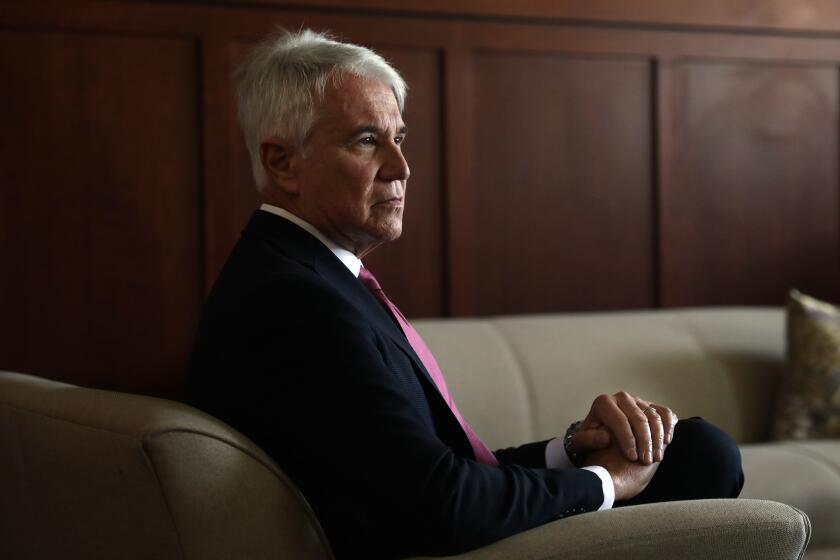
point(575, 458)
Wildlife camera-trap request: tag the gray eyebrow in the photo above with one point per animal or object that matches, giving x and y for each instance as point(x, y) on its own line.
point(375, 129)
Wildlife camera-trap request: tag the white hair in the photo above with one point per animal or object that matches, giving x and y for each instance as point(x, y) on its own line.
point(282, 80)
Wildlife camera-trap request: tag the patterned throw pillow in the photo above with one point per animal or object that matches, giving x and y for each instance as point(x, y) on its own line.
point(809, 399)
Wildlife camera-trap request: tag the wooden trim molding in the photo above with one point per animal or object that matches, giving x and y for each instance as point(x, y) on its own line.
point(768, 15)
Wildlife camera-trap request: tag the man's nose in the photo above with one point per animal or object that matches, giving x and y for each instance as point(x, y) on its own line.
point(395, 167)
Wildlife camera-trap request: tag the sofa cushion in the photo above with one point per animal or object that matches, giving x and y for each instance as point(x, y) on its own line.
point(805, 475)
point(809, 400)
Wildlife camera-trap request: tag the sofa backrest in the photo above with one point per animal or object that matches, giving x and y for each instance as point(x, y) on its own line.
point(97, 474)
point(519, 379)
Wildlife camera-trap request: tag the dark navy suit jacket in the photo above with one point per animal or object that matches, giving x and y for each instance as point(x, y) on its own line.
point(293, 351)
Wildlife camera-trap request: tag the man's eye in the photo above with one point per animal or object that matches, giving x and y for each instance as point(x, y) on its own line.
point(368, 140)
point(399, 139)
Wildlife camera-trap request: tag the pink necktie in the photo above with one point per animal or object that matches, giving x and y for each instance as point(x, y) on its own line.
point(482, 452)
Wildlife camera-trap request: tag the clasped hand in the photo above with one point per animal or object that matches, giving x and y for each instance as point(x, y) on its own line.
point(627, 436)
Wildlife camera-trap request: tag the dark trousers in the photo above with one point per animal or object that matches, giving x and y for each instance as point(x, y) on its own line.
point(701, 462)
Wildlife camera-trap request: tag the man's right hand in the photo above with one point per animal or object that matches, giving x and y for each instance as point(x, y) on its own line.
point(629, 477)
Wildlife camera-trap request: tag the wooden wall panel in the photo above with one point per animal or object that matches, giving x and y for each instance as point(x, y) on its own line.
point(557, 165)
point(745, 15)
point(230, 196)
point(753, 207)
point(99, 208)
point(563, 190)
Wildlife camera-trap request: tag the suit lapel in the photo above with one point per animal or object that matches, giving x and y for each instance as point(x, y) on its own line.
point(306, 249)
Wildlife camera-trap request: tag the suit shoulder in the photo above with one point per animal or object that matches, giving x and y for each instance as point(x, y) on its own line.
point(261, 282)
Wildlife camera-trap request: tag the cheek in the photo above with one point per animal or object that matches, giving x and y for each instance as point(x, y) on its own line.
point(350, 184)
point(361, 189)
point(354, 202)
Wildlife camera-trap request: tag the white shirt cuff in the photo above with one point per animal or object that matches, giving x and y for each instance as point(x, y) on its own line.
point(557, 458)
point(555, 455)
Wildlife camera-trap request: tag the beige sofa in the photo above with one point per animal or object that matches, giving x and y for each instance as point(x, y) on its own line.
point(95, 474)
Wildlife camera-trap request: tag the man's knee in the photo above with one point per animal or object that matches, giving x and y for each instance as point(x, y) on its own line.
point(711, 457)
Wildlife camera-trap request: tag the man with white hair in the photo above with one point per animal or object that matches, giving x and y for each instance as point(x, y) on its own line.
point(300, 349)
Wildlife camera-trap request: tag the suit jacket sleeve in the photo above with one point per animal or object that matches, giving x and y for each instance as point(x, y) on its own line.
point(530, 455)
point(316, 388)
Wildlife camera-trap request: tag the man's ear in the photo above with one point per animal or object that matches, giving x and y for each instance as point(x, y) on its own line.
point(279, 160)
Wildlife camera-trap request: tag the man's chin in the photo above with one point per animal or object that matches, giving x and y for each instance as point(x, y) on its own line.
point(391, 235)
point(388, 229)
point(376, 237)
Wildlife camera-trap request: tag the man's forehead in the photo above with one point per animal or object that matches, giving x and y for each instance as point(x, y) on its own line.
point(361, 102)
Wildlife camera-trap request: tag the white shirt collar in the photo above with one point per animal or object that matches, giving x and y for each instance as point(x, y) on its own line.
point(350, 260)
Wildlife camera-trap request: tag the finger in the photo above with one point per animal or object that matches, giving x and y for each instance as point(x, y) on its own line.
point(591, 420)
point(608, 412)
point(657, 432)
point(589, 440)
point(640, 426)
point(669, 421)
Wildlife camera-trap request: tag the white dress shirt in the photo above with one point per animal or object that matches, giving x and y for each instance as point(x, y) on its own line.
point(555, 452)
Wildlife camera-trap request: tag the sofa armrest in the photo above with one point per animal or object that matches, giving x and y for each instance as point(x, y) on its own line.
point(696, 530)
